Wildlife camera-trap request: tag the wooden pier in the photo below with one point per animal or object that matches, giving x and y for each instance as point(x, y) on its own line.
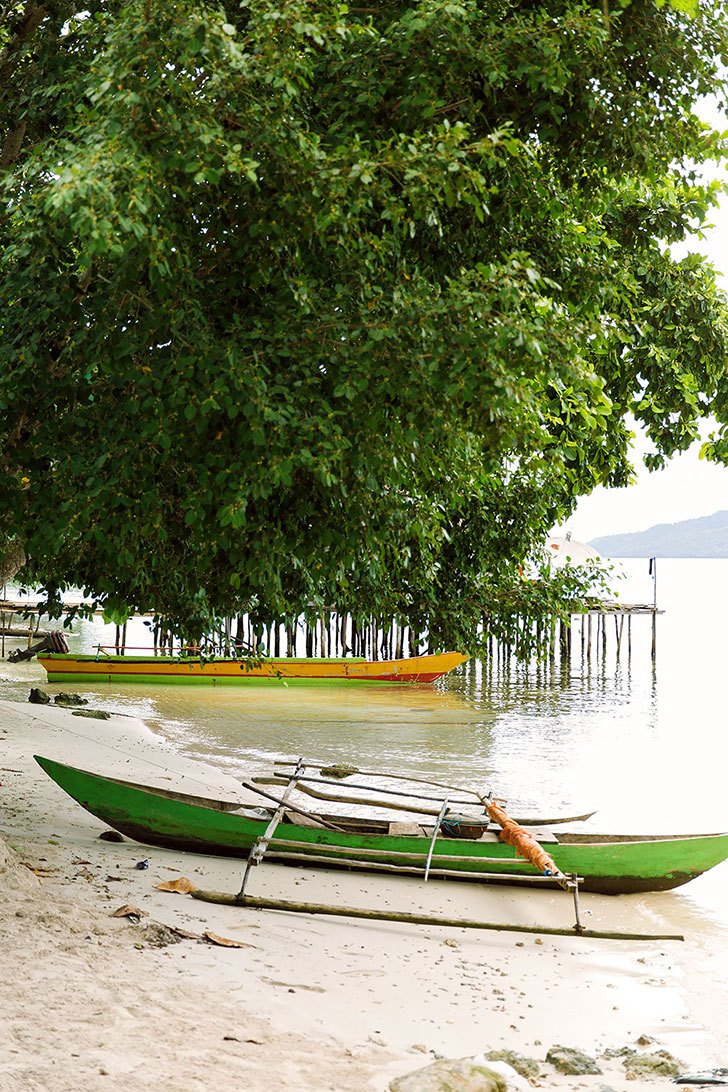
point(334, 634)
point(597, 620)
point(10, 613)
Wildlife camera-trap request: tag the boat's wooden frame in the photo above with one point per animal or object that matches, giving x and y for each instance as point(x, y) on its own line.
point(609, 864)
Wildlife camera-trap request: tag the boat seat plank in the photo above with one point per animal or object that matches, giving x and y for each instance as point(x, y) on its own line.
point(406, 829)
point(299, 819)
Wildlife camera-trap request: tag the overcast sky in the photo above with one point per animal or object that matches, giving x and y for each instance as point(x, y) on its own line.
point(689, 487)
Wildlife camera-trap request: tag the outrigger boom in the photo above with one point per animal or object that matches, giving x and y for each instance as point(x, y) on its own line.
point(466, 844)
point(512, 833)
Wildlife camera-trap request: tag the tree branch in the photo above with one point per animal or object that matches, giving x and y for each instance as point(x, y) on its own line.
point(11, 146)
point(34, 16)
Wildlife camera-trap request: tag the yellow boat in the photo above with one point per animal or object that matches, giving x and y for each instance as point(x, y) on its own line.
point(104, 667)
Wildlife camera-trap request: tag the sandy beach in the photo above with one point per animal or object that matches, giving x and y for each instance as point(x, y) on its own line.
point(92, 1001)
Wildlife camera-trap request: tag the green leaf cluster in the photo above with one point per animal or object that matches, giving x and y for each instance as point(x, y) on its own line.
point(307, 304)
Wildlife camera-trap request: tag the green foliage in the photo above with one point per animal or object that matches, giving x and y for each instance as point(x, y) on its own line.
point(304, 305)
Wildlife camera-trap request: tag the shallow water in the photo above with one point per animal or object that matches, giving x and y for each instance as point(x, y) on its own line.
point(643, 743)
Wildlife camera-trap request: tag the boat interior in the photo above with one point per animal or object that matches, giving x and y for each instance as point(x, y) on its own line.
point(449, 824)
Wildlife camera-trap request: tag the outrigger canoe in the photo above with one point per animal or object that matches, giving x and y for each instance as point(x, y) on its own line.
point(102, 667)
point(452, 846)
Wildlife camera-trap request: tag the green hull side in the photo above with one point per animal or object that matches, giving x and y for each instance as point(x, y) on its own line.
point(214, 680)
point(608, 867)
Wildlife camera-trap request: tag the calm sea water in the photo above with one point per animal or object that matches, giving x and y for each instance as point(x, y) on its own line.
point(644, 743)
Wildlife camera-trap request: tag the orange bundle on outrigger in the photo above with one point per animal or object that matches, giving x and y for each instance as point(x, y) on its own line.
point(524, 843)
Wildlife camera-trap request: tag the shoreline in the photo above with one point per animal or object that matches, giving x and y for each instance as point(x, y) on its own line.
point(312, 1003)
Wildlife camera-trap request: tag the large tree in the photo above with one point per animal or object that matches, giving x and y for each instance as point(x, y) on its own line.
point(303, 303)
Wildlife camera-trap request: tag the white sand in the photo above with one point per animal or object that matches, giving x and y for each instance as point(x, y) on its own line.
point(314, 1003)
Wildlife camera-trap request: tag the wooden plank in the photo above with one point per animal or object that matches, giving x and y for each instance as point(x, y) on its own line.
point(322, 850)
point(416, 870)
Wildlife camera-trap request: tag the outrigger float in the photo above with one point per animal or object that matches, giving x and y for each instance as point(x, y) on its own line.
point(441, 841)
point(105, 666)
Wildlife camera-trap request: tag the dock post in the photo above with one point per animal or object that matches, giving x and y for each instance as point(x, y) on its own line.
point(653, 574)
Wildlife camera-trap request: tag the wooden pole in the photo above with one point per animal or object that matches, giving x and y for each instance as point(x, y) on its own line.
point(257, 851)
point(369, 802)
point(653, 573)
point(438, 822)
point(398, 651)
point(349, 770)
point(254, 903)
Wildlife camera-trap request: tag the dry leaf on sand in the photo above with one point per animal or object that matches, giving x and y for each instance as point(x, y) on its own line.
point(225, 942)
point(128, 911)
point(38, 870)
point(184, 933)
point(182, 886)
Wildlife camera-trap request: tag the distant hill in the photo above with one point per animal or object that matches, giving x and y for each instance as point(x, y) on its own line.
point(704, 537)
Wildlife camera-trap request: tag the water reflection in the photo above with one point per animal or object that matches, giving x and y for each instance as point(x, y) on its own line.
point(642, 742)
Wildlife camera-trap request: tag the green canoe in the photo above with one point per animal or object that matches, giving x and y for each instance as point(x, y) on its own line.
point(609, 864)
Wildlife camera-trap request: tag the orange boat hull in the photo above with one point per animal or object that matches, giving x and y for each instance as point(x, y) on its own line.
point(102, 668)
